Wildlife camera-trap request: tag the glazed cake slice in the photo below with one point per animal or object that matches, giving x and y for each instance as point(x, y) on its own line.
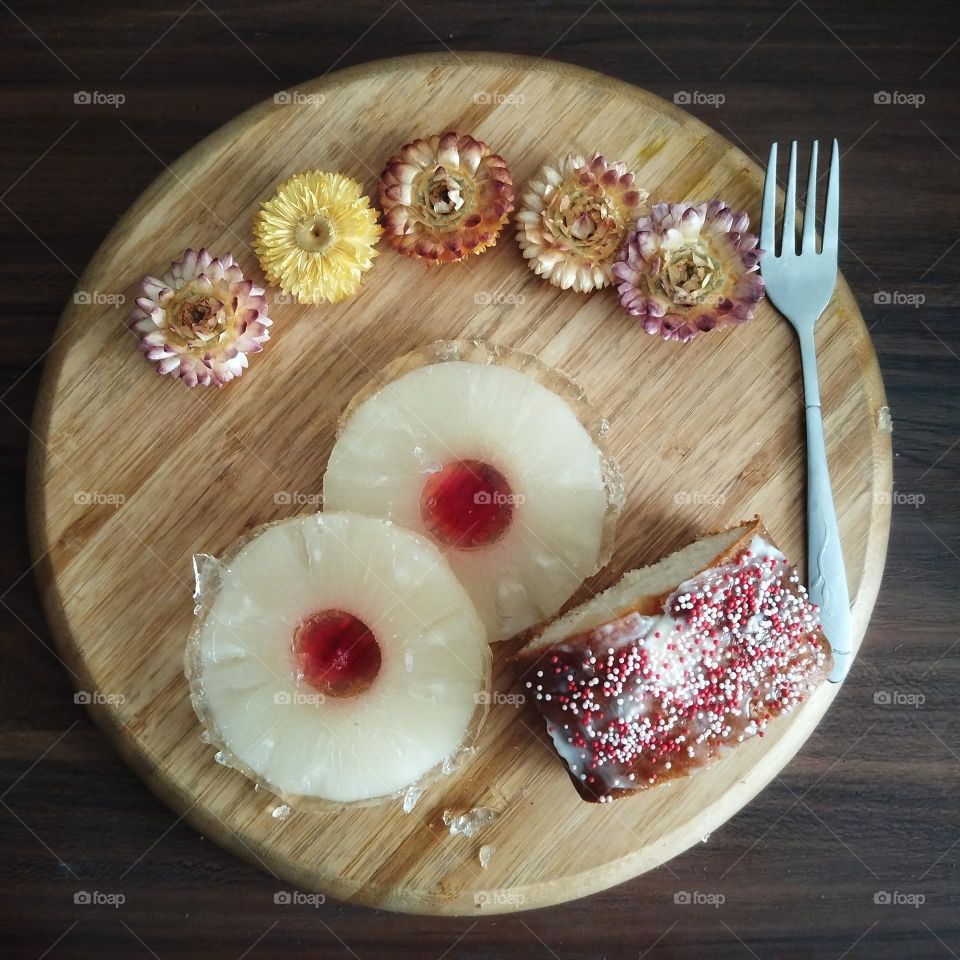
point(651, 679)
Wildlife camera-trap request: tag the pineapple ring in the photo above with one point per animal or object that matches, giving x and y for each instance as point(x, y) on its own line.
point(519, 427)
point(414, 709)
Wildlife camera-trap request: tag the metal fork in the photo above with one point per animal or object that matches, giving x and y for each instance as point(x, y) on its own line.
point(801, 285)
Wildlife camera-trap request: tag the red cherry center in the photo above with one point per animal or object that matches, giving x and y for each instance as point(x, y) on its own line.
point(336, 653)
point(467, 504)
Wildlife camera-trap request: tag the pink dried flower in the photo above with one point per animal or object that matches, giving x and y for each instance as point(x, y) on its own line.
point(201, 320)
point(689, 268)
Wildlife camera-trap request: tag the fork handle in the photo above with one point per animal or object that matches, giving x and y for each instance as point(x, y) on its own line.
point(826, 576)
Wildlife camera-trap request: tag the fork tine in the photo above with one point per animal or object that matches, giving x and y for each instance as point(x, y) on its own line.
point(831, 218)
point(768, 213)
point(810, 205)
point(788, 242)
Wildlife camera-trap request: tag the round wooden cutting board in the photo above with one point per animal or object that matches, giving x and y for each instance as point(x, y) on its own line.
point(132, 474)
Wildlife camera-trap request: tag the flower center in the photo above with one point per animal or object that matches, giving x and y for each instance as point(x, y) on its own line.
point(444, 197)
point(467, 504)
point(444, 192)
point(315, 234)
point(586, 221)
point(583, 227)
point(690, 274)
point(336, 653)
point(195, 317)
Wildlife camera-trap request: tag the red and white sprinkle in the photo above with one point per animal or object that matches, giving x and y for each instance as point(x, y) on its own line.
point(644, 699)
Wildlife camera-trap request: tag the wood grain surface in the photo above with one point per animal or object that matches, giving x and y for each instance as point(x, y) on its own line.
point(113, 558)
point(866, 807)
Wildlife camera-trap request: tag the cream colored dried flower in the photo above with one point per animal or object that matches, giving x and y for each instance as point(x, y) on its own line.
point(574, 219)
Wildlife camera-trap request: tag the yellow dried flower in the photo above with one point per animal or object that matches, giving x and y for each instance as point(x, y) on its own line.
point(315, 237)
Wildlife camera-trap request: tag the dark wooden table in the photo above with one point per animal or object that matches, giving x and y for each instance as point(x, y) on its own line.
point(868, 811)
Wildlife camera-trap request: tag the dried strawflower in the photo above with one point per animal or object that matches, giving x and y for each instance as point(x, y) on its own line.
point(688, 268)
point(201, 320)
point(445, 197)
point(315, 237)
point(574, 219)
